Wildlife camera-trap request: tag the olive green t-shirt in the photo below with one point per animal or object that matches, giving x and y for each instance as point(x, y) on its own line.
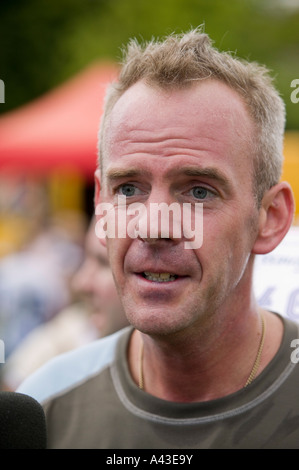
point(91, 402)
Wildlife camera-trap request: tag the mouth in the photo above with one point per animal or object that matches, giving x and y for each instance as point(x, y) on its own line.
point(159, 277)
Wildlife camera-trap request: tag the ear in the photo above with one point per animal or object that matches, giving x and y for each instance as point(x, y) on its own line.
point(275, 218)
point(97, 200)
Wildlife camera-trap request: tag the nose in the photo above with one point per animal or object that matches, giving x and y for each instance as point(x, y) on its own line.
point(154, 241)
point(160, 220)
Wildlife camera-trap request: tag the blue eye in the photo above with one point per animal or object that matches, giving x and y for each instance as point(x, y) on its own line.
point(199, 192)
point(127, 190)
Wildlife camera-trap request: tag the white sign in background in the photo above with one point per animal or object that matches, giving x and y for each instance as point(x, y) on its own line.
point(276, 277)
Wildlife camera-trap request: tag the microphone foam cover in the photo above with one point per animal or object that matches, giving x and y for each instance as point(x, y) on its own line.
point(22, 422)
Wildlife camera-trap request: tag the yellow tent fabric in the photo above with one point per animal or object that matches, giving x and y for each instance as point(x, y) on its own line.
point(291, 166)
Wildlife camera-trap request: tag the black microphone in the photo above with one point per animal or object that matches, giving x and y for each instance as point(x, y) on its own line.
point(22, 422)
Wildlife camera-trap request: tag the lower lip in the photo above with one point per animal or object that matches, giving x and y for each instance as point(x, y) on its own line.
point(154, 293)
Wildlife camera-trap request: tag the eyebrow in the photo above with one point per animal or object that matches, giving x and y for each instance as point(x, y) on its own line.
point(208, 172)
point(118, 173)
point(193, 171)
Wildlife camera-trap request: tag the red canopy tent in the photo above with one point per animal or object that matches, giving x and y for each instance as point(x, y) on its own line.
point(59, 129)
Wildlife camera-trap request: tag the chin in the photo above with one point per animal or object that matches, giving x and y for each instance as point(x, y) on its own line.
point(153, 324)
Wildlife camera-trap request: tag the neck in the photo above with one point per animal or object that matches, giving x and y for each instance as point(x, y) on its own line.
point(209, 366)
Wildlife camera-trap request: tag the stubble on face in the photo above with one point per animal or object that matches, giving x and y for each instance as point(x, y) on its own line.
point(205, 293)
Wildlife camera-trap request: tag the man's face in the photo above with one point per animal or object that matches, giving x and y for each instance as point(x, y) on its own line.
point(184, 146)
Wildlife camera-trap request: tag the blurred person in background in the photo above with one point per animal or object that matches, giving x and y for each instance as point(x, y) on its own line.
point(34, 283)
point(95, 312)
point(94, 284)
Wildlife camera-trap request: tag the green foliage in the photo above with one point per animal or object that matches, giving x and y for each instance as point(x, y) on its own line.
point(45, 42)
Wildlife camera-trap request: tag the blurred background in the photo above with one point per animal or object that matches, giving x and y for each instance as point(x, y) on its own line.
point(55, 60)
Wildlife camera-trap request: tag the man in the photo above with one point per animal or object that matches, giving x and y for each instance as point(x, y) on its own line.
point(202, 366)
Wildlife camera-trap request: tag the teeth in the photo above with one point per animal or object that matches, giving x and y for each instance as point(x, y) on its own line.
point(159, 277)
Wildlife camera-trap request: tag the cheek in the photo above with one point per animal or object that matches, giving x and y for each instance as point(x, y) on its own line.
point(227, 242)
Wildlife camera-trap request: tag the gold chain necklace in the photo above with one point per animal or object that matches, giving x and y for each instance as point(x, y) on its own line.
point(258, 356)
point(251, 375)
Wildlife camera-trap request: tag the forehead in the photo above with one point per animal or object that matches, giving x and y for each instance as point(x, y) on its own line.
point(203, 115)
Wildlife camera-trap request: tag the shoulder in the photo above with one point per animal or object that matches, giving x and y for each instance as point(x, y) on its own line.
point(72, 368)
